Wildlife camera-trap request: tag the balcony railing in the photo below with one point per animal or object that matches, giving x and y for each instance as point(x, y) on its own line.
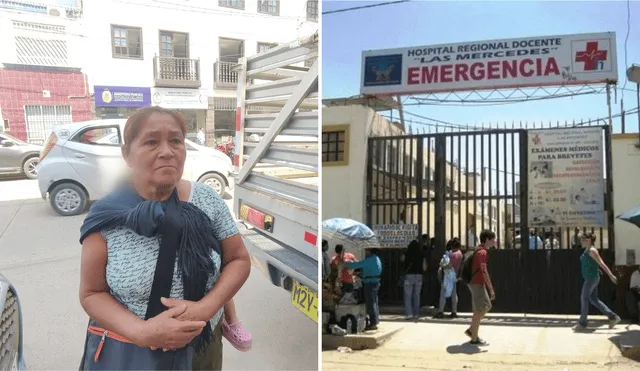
point(171, 72)
point(223, 75)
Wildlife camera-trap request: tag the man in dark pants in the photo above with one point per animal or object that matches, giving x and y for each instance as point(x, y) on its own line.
point(326, 267)
point(371, 268)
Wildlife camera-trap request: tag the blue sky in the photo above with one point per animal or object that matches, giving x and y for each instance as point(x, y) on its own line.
point(346, 35)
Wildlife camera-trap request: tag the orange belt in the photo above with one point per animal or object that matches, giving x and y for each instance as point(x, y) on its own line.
point(105, 334)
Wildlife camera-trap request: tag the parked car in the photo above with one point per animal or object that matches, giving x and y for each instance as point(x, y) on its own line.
point(18, 157)
point(82, 161)
point(11, 348)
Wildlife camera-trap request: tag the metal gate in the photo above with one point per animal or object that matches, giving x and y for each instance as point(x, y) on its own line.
point(41, 119)
point(450, 182)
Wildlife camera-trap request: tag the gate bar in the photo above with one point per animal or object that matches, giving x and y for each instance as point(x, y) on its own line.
point(369, 184)
point(419, 176)
point(524, 190)
point(459, 188)
point(440, 190)
point(611, 239)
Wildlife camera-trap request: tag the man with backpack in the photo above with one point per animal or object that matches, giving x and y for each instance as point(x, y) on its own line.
point(476, 275)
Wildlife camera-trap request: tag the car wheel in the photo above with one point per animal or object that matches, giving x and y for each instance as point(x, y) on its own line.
point(68, 199)
point(214, 181)
point(30, 167)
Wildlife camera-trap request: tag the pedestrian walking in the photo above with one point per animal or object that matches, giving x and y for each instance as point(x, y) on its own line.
point(591, 263)
point(450, 268)
point(201, 137)
point(476, 274)
point(371, 268)
point(414, 265)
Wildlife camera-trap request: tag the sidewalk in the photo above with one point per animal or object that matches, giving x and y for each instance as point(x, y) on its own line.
point(516, 343)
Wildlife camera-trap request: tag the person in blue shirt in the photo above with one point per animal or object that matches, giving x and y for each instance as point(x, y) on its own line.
point(535, 243)
point(371, 268)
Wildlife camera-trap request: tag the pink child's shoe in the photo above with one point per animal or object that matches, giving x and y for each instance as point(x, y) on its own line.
point(237, 335)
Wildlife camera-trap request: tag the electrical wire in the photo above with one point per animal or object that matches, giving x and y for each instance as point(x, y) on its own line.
point(500, 101)
point(363, 7)
point(490, 103)
point(431, 122)
point(626, 40)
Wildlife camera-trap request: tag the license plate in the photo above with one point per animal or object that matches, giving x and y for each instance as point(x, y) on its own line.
point(305, 300)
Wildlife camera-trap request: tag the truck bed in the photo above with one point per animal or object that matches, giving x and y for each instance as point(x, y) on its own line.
point(278, 162)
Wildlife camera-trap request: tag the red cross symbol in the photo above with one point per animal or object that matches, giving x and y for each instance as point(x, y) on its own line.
point(536, 139)
point(591, 56)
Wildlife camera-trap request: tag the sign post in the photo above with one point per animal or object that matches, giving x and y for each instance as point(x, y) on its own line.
point(396, 235)
point(566, 177)
point(495, 64)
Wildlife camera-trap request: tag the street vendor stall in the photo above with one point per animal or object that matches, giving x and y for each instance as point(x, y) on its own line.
point(345, 308)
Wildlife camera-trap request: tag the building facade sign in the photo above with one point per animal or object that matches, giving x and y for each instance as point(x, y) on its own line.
point(396, 235)
point(180, 98)
point(122, 96)
point(566, 177)
point(509, 63)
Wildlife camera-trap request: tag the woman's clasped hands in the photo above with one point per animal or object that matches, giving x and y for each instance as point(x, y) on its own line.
point(175, 327)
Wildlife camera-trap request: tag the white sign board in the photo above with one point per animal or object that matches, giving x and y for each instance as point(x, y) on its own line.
point(508, 63)
point(396, 235)
point(566, 177)
point(180, 98)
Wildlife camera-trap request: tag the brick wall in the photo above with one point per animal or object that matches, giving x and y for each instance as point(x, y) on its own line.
point(24, 87)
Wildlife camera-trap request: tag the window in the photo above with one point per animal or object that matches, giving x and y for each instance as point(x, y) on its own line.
point(335, 145)
point(312, 10)
point(5, 125)
point(230, 49)
point(41, 119)
point(263, 47)
point(235, 4)
point(126, 42)
point(269, 7)
point(104, 135)
point(174, 44)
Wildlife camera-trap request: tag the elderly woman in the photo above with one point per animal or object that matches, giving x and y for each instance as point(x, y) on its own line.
point(153, 253)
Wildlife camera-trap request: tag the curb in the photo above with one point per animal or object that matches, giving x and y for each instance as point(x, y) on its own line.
point(359, 341)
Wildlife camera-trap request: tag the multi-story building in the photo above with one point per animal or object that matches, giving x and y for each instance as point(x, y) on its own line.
point(181, 54)
point(41, 78)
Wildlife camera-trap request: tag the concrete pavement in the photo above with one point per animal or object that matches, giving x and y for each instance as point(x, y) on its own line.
point(39, 253)
point(442, 345)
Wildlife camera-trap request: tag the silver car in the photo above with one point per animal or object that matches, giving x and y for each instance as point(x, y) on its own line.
point(11, 348)
point(18, 157)
point(82, 161)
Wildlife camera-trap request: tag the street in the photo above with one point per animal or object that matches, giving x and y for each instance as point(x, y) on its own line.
point(515, 343)
point(39, 254)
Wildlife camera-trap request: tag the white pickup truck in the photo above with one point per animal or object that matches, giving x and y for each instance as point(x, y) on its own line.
point(276, 158)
